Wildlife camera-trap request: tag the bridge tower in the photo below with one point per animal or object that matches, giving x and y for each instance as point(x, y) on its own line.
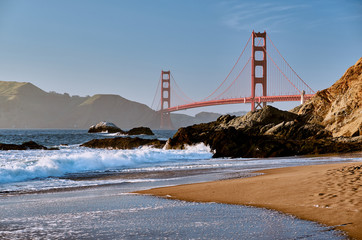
point(165, 100)
point(258, 68)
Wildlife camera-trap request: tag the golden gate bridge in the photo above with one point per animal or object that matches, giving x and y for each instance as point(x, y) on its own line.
point(260, 75)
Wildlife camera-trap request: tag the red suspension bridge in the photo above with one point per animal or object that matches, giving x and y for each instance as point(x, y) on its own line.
point(260, 75)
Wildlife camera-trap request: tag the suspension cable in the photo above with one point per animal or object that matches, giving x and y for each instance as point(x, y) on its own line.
point(154, 98)
point(233, 81)
point(281, 71)
point(230, 71)
point(187, 97)
point(289, 65)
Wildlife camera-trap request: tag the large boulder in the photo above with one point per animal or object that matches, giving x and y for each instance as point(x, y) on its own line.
point(272, 121)
point(107, 127)
point(262, 117)
point(123, 143)
point(140, 131)
point(257, 122)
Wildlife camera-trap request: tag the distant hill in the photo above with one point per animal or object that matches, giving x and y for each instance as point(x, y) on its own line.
point(239, 113)
point(23, 105)
point(182, 120)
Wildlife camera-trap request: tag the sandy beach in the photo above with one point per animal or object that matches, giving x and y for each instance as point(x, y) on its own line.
point(330, 194)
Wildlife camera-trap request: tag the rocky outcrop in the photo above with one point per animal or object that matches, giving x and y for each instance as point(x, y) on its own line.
point(24, 146)
point(140, 131)
point(272, 121)
point(297, 130)
point(339, 107)
point(107, 127)
point(123, 143)
point(268, 132)
point(267, 115)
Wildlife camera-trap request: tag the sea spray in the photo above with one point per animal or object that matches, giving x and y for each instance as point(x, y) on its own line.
point(16, 166)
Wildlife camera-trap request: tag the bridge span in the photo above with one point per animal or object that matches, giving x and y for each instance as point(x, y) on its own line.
point(261, 99)
point(260, 75)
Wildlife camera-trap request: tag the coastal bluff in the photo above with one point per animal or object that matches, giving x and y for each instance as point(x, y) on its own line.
point(339, 107)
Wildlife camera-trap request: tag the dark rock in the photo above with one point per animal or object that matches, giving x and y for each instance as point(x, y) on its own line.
point(107, 127)
point(140, 130)
point(123, 143)
point(32, 145)
point(268, 132)
point(298, 130)
point(24, 146)
point(268, 115)
point(260, 118)
point(4, 146)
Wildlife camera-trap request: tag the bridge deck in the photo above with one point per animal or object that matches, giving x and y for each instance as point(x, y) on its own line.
point(239, 100)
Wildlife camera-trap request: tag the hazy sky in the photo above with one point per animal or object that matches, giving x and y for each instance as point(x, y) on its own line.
point(84, 47)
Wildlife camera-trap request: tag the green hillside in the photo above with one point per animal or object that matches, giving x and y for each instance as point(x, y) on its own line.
point(23, 105)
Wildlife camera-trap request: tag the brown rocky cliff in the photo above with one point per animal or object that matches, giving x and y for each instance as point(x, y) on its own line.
point(339, 107)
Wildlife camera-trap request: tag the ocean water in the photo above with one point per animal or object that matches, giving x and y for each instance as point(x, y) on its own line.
point(75, 166)
point(102, 214)
point(82, 171)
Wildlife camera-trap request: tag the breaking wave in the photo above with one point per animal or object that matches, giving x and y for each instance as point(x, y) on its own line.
point(17, 166)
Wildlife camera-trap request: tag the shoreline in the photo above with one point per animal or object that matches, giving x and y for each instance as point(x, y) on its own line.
point(329, 194)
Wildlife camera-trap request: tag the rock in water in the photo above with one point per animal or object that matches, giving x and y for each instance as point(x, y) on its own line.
point(140, 131)
point(24, 146)
point(339, 107)
point(268, 132)
point(123, 143)
point(107, 127)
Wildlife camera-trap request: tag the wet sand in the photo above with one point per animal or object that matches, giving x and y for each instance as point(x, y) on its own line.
point(330, 194)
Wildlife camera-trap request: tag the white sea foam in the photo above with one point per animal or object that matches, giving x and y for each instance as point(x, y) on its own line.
point(16, 166)
point(39, 169)
point(54, 183)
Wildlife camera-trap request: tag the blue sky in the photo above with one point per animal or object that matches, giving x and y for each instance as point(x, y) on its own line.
point(84, 47)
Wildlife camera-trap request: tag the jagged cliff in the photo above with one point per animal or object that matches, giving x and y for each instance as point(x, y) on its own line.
point(339, 107)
